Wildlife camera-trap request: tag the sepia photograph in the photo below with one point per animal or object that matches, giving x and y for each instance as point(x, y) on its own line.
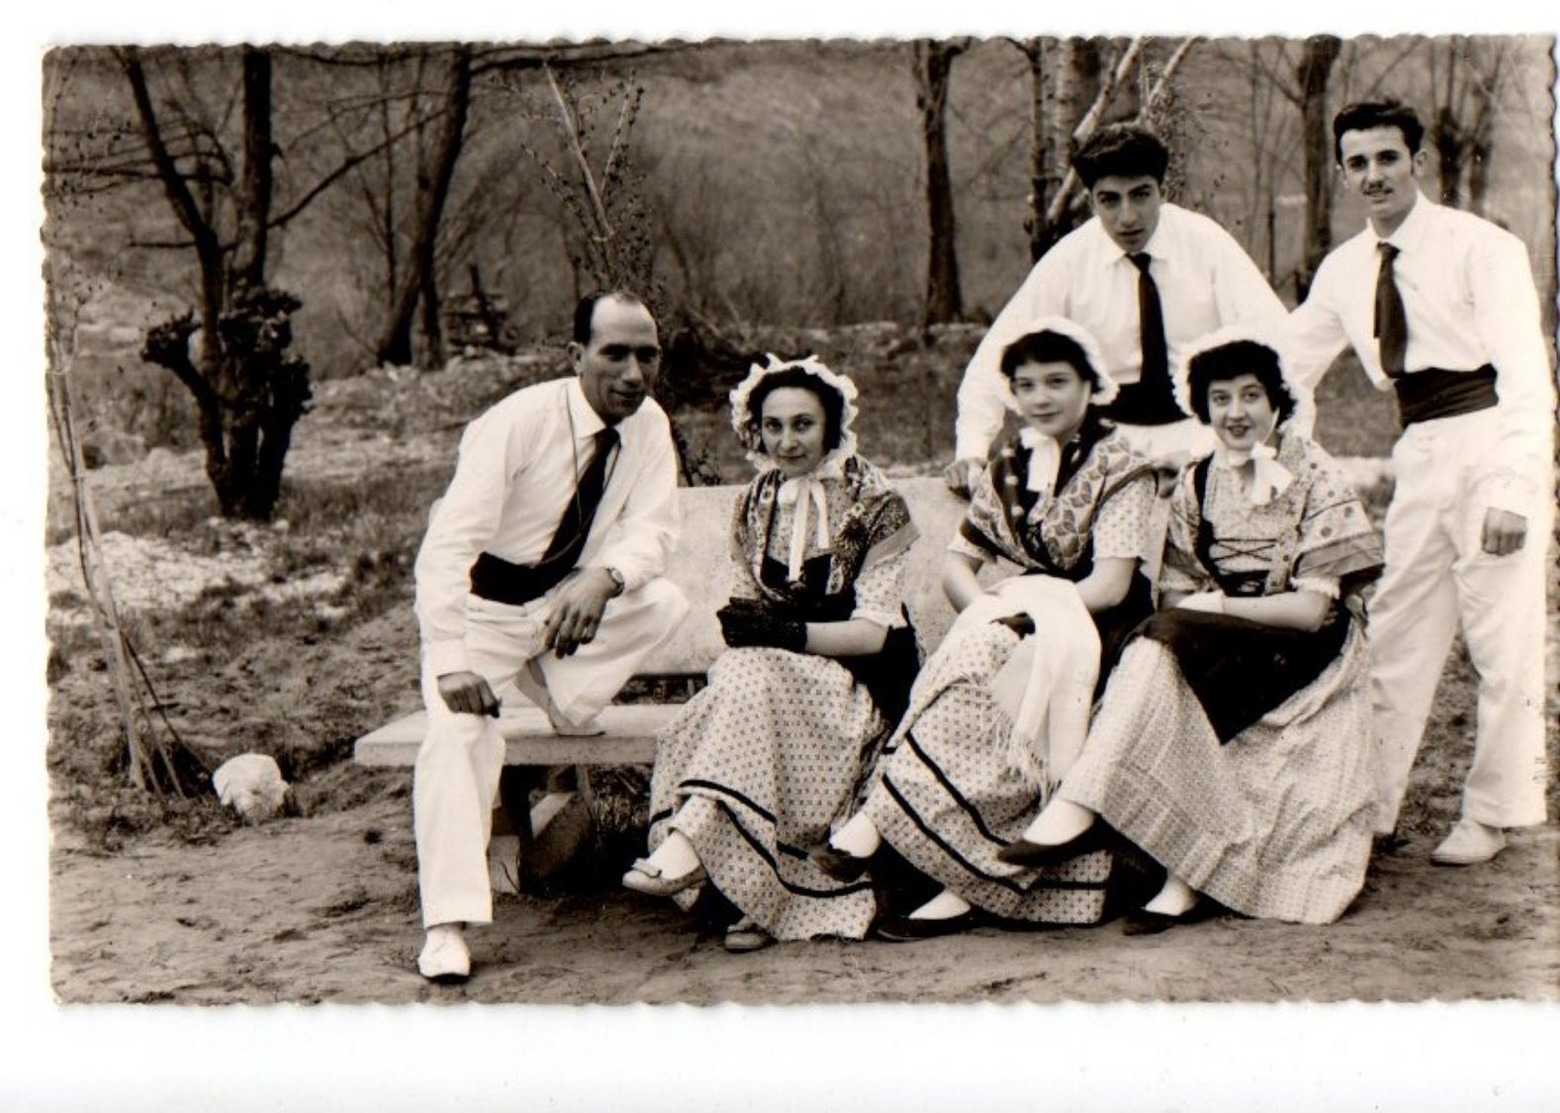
point(930, 545)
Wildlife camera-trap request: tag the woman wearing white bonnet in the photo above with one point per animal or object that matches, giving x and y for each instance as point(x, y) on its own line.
point(1002, 707)
point(750, 775)
point(1233, 743)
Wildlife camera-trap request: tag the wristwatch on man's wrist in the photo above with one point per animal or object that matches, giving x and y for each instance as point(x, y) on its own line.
point(617, 580)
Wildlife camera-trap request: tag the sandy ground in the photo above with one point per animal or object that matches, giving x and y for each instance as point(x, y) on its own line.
point(324, 909)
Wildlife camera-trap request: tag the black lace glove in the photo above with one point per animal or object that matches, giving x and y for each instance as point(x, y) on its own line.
point(746, 622)
point(1021, 624)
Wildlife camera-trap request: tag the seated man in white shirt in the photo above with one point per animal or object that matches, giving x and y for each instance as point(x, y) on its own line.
point(1146, 278)
point(542, 565)
point(1440, 306)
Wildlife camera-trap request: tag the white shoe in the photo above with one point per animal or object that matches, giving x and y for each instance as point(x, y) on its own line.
point(445, 957)
point(1469, 843)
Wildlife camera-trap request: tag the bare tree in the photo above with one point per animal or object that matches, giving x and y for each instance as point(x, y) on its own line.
point(1064, 78)
point(1042, 148)
point(248, 389)
point(1465, 76)
point(417, 284)
point(933, 65)
point(1316, 63)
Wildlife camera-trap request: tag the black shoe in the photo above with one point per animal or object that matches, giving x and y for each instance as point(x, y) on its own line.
point(1036, 854)
point(1143, 922)
point(904, 929)
point(838, 864)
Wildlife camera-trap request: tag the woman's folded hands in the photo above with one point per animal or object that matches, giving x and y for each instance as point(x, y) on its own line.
point(747, 623)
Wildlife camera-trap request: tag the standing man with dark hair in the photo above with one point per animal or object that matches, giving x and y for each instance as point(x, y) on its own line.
point(541, 566)
point(1440, 306)
point(1146, 278)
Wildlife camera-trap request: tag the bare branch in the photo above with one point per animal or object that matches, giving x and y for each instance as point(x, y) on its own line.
point(179, 195)
point(1171, 65)
point(571, 135)
point(1107, 93)
point(350, 164)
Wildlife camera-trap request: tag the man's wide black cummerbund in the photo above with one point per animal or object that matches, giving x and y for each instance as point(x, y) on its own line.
point(501, 581)
point(1434, 393)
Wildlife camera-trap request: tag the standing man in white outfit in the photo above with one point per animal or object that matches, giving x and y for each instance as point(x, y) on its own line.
point(541, 565)
point(1440, 306)
point(1146, 278)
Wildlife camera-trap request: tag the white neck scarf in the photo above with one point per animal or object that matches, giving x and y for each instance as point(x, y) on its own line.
point(808, 495)
point(1268, 477)
point(1045, 459)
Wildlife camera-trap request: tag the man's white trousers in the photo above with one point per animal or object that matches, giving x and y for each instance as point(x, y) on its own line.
point(1437, 577)
point(455, 783)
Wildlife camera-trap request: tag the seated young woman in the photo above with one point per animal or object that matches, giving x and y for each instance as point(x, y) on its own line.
point(1233, 743)
point(1002, 706)
point(820, 658)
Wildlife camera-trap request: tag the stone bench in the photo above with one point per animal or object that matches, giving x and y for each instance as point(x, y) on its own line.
point(702, 568)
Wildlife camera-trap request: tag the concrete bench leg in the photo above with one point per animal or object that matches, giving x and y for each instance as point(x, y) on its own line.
point(531, 843)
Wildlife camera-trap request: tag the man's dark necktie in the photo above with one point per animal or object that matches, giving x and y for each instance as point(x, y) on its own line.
point(1391, 320)
point(569, 540)
point(1155, 377)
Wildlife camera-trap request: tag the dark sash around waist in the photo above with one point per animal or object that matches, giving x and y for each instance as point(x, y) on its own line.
point(1142, 404)
point(499, 580)
point(1434, 393)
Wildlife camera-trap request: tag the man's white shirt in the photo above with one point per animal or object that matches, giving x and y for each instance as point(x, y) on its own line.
point(1206, 281)
point(517, 471)
point(1469, 296)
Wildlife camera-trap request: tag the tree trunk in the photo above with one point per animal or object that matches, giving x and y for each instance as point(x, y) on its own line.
point(1076, 81)
point(1043, 174)
point(1478, 177)
point(933, 62)
point(254, 212)
point(249, 392)
point(1450, 144)
point(1321, 51)
point(395, 342)
point(433, 355)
